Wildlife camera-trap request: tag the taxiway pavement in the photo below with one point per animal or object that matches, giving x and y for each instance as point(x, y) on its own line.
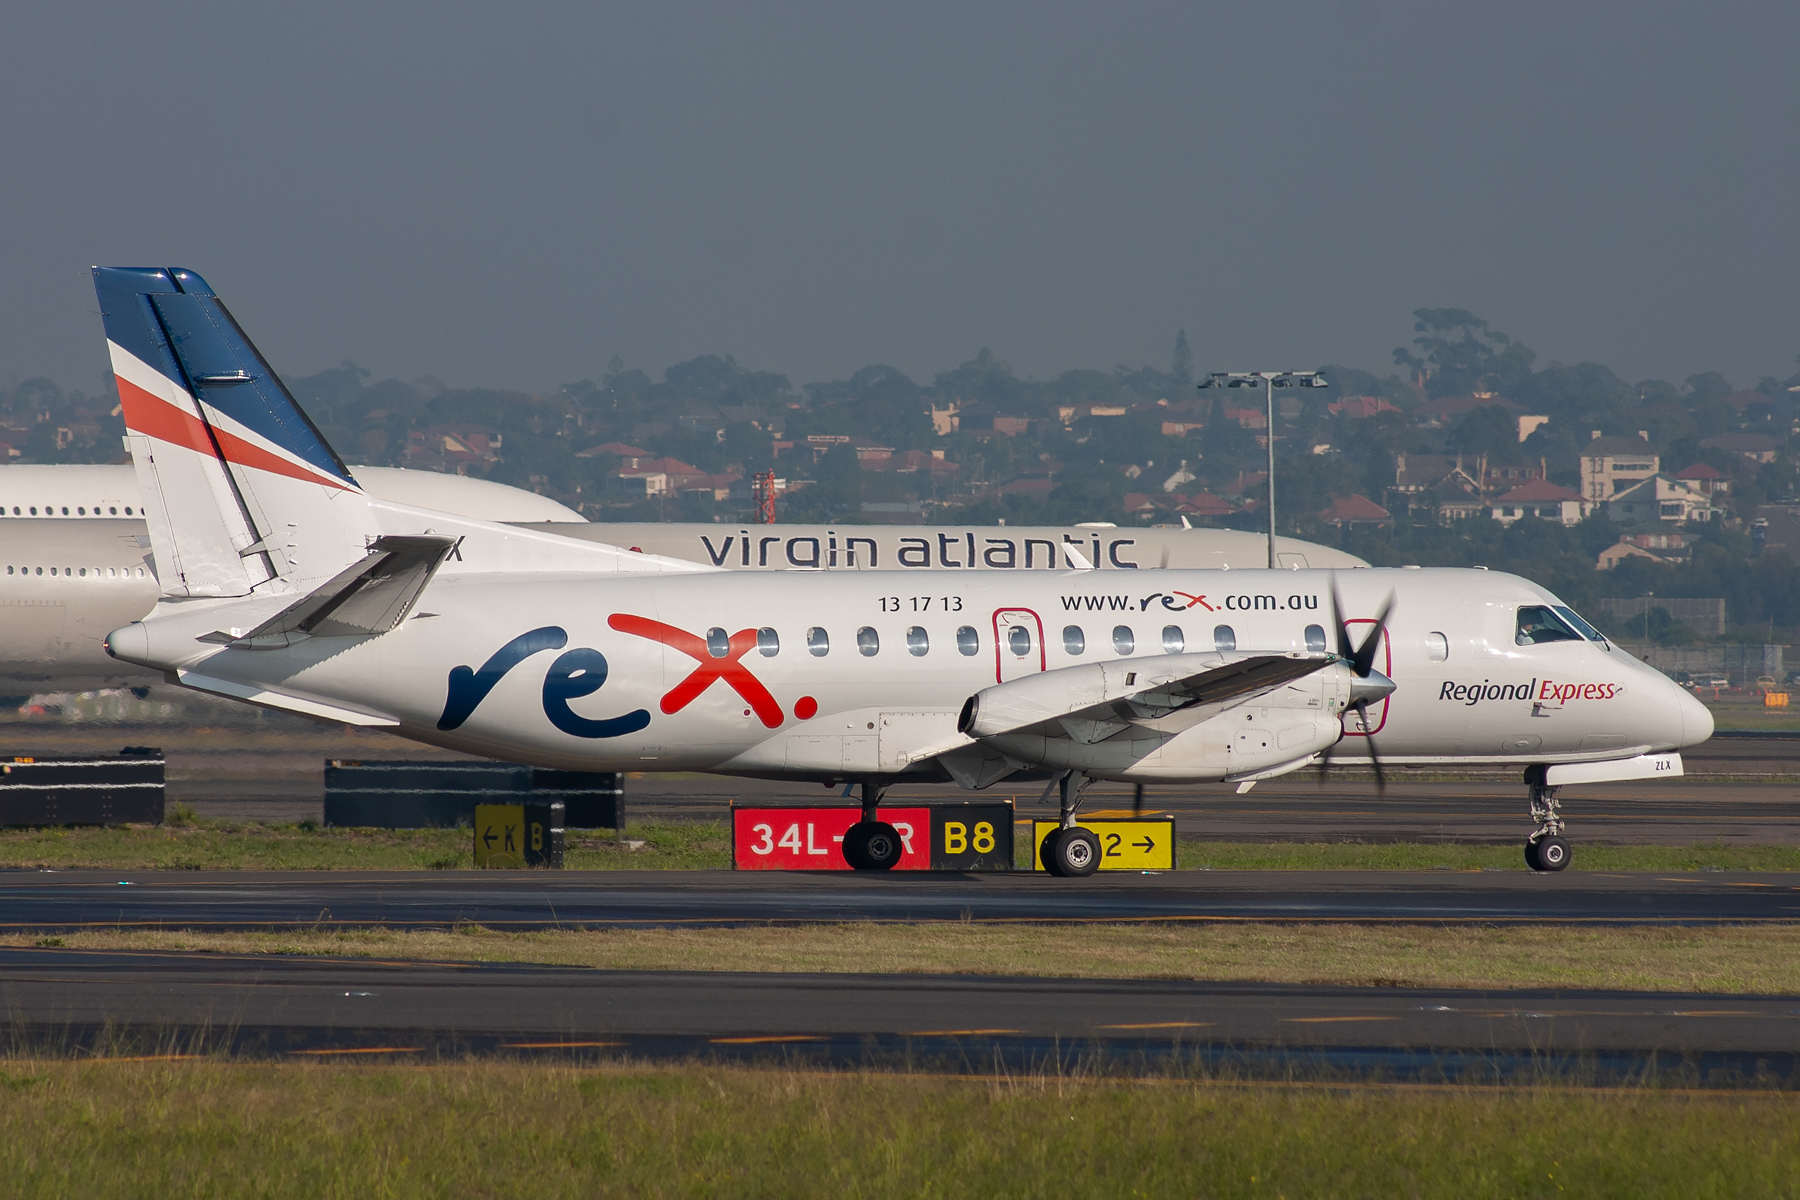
point(124, 1003)
point(221, 900)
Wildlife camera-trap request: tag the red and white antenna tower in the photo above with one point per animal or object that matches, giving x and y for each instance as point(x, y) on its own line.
point(763, 488)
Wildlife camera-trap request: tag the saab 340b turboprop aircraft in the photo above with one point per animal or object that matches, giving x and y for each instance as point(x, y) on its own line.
point(285, 584)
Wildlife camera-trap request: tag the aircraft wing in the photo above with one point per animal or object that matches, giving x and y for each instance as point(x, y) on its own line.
point(1095, 702)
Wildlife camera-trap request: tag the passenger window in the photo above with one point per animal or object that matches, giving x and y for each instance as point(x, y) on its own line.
point(1123, 641)
point(868, 642)
point(1224, 638)
point(768, 642)
point(1538, 625)
point(1173, 641)
point(1018, 640)
point(1074, 640)
point(718, 643)
point(818, 642)
point(1315, 637)
point(968, 642)
point(918, 642)
point(1437, 646)
point(128, 510)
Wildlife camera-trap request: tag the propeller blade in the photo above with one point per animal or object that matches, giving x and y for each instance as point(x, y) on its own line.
point(1137, 801)
point(1345, 650)
point(1364, 659)
point(1374, 755)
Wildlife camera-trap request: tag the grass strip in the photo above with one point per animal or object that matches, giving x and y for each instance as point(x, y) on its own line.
point(195, 844)
point(191, 843)
point(340, 1129)
point(1729, 959)
point(1458, 856)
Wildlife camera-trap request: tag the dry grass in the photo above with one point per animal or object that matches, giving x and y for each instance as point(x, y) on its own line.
point(1759, 959)
point(214, 1129)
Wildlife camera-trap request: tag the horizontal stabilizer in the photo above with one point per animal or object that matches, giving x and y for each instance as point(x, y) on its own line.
point(367, 597)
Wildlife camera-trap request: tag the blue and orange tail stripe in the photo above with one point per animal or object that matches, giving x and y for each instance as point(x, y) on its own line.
point(172, 340)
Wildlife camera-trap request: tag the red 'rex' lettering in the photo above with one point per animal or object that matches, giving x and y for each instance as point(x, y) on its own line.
point(733, 672)
point(1193, 600)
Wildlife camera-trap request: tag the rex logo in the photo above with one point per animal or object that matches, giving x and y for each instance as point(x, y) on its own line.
point(582, 672)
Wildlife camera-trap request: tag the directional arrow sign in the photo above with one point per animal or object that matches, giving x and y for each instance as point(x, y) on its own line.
point(496, 835)
point(1145, 844)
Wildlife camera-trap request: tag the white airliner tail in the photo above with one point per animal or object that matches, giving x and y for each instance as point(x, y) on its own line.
point(242, 493)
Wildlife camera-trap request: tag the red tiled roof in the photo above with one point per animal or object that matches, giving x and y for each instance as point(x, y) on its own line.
point(1538, 491)
point(1354, 508)
point(1702, 470)
point(1205, 505)
point(618, 449)
point(1361, 406)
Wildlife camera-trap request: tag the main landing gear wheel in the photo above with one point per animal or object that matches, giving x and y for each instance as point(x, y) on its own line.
point(1072, 853)
point(1547, 854)
point(872, 846)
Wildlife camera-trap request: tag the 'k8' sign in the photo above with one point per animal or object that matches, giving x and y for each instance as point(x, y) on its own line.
point(948, 837)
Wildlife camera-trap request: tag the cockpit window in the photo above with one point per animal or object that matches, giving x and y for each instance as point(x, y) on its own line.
point(1538, 625)
point(1588, 631)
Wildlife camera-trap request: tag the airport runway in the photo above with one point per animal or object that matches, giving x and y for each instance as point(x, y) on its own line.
point(221, 900)
point(116, 1003)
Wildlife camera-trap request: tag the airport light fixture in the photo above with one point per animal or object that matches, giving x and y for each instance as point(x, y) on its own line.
point(1268, 381)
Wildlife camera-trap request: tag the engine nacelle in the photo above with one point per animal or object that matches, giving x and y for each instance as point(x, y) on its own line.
point(1040, 721)
point(1051, 695)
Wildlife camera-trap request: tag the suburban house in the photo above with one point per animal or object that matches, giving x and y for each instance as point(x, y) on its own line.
point(1706, 477)
point(1353, 510)
point(1436, 413)
point(453, 448)
point(1660, 498)
point(1610, 465)
point(1360, 407)
point(1543, 499)
point(1757, 447)
point(1661, 546)
point(1205, 504)
point(628, 456)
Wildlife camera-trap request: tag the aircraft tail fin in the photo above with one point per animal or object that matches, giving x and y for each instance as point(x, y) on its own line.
point(239, 488)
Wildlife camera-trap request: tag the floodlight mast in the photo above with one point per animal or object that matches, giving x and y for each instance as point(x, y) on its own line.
point(1270, 380)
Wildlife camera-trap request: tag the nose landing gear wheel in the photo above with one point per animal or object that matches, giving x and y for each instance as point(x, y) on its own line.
point(1547, 854)
point(872, 846)
point(1071, 853)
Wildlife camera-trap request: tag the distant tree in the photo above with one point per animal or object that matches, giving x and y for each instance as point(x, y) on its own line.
point(1705, 388)
point(1181, 364)
point(1459, 354)
point(1489, 430)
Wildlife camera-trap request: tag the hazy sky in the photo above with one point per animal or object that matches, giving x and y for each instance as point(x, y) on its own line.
point(510, 194)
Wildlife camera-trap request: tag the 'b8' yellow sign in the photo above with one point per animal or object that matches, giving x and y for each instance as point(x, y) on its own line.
point(1147, 844)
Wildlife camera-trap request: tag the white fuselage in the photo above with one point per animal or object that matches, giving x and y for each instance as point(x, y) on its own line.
point(75, 563)
point(615, 673)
